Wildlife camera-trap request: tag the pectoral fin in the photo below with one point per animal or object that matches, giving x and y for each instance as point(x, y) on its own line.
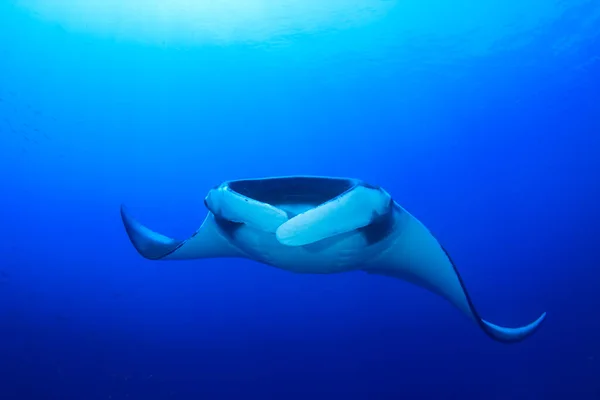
point(206, 242)
point(417, 257)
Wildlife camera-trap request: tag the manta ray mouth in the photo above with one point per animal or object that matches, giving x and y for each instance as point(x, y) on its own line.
point(299, 210)
point(293, 189)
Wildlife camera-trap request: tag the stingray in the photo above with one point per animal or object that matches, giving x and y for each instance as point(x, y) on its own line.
point(320, 225)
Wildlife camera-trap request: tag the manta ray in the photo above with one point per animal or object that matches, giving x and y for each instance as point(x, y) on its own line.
point(320, 225)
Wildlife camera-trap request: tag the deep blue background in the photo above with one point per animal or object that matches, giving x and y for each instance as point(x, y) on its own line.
point(495, 147)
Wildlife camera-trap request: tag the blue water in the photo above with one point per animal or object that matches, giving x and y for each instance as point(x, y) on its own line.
point(483, 120)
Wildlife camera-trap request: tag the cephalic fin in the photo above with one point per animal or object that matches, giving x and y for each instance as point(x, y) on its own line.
point(352, 210)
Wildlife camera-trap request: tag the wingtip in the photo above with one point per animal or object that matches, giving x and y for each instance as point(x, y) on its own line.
point(149, 244)
point(513, 335)
point(124, 213)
